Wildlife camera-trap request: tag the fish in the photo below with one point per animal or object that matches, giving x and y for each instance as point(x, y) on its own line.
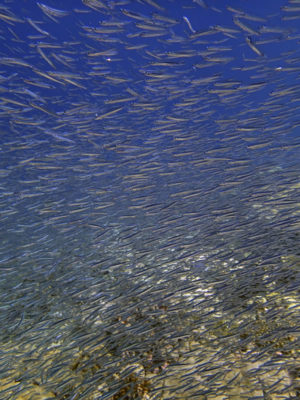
point(252, 46)
point(189, 24)
point(149, 200)
point(52, 12)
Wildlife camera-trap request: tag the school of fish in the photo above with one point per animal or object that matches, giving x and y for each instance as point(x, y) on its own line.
point(149, 200)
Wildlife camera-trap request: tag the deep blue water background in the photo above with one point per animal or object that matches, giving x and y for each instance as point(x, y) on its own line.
point(149, 196)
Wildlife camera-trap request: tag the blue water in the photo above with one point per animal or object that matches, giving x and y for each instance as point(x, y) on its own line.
point(149, 164)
